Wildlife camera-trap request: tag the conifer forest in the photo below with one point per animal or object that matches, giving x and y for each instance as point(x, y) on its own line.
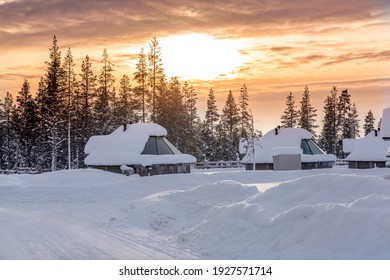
point(48, 129)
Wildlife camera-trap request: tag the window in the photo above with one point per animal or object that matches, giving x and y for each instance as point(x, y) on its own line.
point(310, 148)
point(158, 145)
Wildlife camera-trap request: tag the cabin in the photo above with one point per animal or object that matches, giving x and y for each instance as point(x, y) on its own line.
point(140, 148)
point(372, 150)
point(285, 149)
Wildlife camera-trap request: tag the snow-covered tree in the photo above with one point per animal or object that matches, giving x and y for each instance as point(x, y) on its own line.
point(369, 123)
point(307, 113)
point(290, 115)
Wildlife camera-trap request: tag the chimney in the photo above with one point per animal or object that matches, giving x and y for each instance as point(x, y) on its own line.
point(276, 131)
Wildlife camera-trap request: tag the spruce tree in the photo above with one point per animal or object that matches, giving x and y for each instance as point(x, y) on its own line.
point(245, 117)
point(344, 111)
point(230, 121)
point(329, 134)
point(126, 105)
point(25, 122)
point(70, 85)
point(87, 99)
point(7, 137)
point(208, 138)
point(354, 122)
point(102, 106)
point(212, 116)
point(369, 123)
point(53, 109)
point(290, 114)
point(191, 143)
point(141, 77)
point(156, 75)
point(307, 113)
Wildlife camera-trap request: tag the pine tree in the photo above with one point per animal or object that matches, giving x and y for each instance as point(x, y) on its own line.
point(245, 118)
point(329, 134)
point(369, 123)
point(156, 75)
point(307, 113)
point(290, 114)
point(102, 108)
point(141, 77)
point(230, 121)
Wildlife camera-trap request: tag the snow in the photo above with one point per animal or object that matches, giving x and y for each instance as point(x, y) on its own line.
point(286, 151)
point(385, 125)
point(336, 213)
point(349, 144)
point(287, 139)
point(125, 147)
point(369, 148)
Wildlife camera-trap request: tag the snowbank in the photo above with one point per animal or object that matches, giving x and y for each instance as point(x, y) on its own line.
point(317, 217)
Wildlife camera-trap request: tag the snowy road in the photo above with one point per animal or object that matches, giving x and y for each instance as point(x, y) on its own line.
point(34, 235)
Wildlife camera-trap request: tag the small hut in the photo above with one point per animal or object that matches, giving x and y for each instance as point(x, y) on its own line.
point(140, 148)
point(285, 149)
point(370, 151)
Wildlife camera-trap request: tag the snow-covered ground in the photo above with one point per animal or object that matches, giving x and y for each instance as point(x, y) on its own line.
point(214, 214)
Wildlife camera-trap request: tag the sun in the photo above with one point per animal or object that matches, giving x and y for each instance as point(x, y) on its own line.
point(200, 56)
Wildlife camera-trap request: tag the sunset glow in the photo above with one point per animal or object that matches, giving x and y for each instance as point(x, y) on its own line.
point(274, 48)
point(200, 57)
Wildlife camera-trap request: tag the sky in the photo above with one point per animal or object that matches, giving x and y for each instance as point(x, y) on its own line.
point(273, 46)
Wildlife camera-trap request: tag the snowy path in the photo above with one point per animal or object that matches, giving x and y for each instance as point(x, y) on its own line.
point(36, 235)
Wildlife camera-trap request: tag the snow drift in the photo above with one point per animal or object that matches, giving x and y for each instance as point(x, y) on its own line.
point(316, 217)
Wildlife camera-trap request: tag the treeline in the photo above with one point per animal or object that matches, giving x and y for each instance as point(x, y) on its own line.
point(50, 129)
point(340, 121)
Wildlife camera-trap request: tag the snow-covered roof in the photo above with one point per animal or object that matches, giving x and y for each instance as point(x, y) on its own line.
point(287, 139)
point(126, 147)
point(349, 144)
point(385, 125)
point(388, 153)
point(372, 147)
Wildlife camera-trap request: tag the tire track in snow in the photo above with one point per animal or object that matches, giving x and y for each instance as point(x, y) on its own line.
point(36, 235)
